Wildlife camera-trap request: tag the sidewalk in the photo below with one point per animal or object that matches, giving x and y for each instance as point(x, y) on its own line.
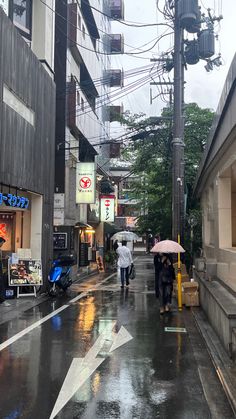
point(225, 368)
point(21, 304)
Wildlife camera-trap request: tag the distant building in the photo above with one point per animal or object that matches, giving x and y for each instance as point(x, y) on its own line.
point(83, 44)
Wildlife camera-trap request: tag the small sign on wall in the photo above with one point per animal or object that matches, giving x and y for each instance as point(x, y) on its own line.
point(59, 241)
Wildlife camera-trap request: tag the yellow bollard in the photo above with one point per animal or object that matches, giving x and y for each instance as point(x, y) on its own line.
point(179, 280)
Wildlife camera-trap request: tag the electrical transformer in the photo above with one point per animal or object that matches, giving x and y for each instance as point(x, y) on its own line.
point(206, 39)
point(192, 52)
point(196, 26)
point(188, 12)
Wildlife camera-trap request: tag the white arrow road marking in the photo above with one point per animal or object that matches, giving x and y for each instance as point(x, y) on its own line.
point(77, 375)
point(122, 337)
point(82, 368)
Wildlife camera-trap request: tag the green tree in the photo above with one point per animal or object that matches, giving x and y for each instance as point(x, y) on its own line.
point(149, 154)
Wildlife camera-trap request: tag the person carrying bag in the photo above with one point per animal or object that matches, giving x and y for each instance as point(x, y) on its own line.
point(166, 278)
point(132, 272)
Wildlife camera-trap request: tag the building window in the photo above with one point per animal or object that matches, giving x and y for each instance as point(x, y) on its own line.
point(79, 21)
point(82, 104)
point(21, 15)
point(83, 31)
point(78, 99)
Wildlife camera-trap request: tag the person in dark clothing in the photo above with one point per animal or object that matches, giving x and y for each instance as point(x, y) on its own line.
point(166, 278)
point(115, 245)
point(157, 266)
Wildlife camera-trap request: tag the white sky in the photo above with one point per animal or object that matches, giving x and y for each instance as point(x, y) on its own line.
point(201, 87)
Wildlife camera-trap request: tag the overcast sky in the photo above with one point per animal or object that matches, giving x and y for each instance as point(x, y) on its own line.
point(201, 87)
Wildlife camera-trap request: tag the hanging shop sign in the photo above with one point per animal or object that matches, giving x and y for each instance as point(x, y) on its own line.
point(24, 272)
point(14, 200)
point(86, 183)
point(108, 208)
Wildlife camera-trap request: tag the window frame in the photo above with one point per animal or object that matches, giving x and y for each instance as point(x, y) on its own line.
point(24, 31)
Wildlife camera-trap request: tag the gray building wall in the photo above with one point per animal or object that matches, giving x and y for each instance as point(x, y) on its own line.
point(27, 151)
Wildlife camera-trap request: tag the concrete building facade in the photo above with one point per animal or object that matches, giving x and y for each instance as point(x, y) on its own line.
point(216, 189)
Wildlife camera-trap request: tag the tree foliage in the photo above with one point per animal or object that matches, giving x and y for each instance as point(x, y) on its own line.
point(149, 153)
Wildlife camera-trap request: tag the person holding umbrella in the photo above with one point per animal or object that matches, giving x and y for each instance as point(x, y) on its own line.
point(166, 271)
point(124, 262)
point(166, 278)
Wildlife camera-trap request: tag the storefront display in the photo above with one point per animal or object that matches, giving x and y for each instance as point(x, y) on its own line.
point(22, 272)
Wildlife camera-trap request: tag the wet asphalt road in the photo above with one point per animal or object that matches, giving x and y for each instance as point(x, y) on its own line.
point(106, 354)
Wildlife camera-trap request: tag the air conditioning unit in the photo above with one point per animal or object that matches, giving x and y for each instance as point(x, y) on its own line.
point(114, 78)
point(117, 9)
point(116, 44)
point(115, 113)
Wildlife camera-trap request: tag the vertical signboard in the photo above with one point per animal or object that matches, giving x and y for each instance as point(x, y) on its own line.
point(108, 208)
point(85, 183)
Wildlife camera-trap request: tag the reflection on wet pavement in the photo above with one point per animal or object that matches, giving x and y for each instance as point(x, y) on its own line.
point(142, 371)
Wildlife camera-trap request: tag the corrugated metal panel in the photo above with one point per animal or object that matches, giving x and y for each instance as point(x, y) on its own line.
point(27, 151)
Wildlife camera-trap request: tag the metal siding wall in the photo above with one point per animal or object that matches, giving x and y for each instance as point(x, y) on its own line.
point(26, 152)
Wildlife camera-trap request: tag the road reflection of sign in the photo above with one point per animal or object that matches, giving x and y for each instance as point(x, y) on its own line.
point(25, 272)
point(59, 241)
point(108, 208)
point(85, 183)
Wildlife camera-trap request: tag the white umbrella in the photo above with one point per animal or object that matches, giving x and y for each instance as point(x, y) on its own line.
point(167, 246)
point(128, 236)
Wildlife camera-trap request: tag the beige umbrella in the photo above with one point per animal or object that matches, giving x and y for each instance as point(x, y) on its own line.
point(167, 246)
point(128, 236)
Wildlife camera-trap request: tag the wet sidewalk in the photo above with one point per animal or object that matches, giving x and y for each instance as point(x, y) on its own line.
point(103, 352)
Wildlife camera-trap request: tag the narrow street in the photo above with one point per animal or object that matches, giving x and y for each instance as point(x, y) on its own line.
point(105, 353)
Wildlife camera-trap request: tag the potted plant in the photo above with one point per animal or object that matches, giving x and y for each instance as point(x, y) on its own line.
point(110, 260)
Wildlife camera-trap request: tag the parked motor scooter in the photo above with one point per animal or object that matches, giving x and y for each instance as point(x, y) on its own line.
point(59, 275)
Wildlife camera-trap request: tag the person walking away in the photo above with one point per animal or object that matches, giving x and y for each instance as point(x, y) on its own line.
point(115, 245)
point(166, 278)
point(2, 288)
point(157, 266)
point(125, 260)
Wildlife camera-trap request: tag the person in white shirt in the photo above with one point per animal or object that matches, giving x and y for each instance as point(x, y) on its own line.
point(124, 262)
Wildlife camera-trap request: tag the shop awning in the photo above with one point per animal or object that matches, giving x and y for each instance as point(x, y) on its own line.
point(83, 225)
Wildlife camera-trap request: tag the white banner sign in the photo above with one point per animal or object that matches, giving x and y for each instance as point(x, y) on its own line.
point(86, 183)
point(108, 208)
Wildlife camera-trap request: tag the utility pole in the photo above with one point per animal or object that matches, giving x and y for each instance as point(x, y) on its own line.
point(178, 134)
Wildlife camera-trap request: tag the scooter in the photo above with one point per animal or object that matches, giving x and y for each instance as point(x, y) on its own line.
point(59, 275)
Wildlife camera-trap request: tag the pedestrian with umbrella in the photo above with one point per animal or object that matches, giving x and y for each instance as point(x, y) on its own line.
point(166, 272)
point(124, 262)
